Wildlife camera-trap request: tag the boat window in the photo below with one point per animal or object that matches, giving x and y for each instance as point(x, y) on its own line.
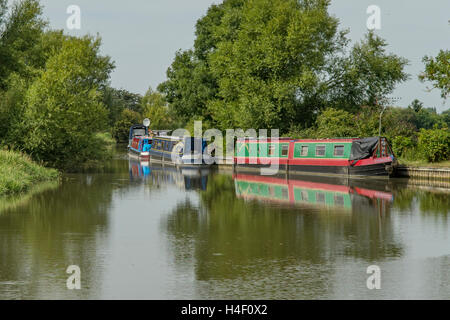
point(305, 195)
point(320, 197)
point(339, 200)
point(320, 151)
point(271, 150)
point(339, 151)
point(284, 150)
point(285, 193)
point(304, 151)
point(138, 132)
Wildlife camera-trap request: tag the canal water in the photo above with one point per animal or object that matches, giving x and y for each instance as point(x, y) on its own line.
point(151, 232)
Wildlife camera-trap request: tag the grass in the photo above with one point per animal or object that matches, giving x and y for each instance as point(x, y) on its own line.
point(424, 163)
point(18, 173)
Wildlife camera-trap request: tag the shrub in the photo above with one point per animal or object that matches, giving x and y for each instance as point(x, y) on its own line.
point(121, 129)
point(401, 145)
point(434, 144)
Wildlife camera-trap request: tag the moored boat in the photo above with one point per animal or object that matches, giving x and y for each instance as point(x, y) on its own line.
point(186, 152)
point(140, 147)
point(342, 156)
point(137, 130)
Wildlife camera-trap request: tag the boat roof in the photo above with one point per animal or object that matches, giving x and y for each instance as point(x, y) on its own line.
point(285, 139)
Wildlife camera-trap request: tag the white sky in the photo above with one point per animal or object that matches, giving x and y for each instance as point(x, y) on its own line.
point(142, 36)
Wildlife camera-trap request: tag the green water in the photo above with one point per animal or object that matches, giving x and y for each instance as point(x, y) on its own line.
point(139, 232)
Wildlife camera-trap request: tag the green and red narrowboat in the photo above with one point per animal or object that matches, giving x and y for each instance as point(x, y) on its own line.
point(340, 156)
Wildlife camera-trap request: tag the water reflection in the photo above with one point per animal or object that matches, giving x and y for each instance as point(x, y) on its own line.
point(139, 230)
point(157, 174)
point(51, 230)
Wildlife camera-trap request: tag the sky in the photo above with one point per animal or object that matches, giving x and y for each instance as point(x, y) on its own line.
point(142, 36)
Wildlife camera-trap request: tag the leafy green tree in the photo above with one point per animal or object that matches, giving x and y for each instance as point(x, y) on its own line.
point(446, 117)
point(117, 100)
point(366, 76)
point(335, 123)
point(437, 71)
point(64, 110)
point(416, 105)
point(190, 82)
point(434, 144)
point(155, 108)
point(122, 127)
point(427, 118)
point(276, 64)
point(21, 27)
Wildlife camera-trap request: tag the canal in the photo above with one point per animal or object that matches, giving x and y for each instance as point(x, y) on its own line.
point(152, 232)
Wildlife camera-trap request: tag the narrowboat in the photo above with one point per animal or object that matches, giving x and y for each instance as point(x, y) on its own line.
point(310, 193)
point(351, 157)
point(138, 130)
point(188, 151)
point(140, 147)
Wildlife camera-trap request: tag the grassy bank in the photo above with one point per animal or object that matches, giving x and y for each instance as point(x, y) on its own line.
point(424, 163)
point(18, 173)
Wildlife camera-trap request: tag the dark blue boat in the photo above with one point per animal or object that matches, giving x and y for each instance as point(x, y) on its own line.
point(178, 151)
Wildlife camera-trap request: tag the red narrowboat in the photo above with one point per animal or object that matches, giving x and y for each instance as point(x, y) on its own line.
point(341, 156)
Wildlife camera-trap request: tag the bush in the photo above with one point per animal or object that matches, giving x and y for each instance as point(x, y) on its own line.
point(121, 129)
point(401, 145)
point(434, 144)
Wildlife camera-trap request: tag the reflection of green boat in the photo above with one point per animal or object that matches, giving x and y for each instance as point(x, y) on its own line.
point(303, 192)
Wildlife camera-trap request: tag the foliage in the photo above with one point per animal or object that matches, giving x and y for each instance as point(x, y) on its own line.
point(155, 108)
point(335, 123)
point(64, 109)
point(434, 144)
point(276, 64)
point(18, 173)
point(401, 145)
point(116, 101)
point(437, 71)
point(20, 32)
point(122, 127)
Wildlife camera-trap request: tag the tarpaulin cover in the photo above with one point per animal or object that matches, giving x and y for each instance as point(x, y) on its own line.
point(363, 148)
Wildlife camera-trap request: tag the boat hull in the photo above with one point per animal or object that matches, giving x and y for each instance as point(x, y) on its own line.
point(380, 170)
point(139, 155)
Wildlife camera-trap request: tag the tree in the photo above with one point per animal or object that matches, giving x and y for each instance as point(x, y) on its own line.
point(434, 144)
point(416, 105)
point(64, 109)
point(155, 108)
point(122, 126)
point(437, 71)
point(335, 123)
point(276, 64)
point(20, 32)
point(366, 76)
point(118, 100)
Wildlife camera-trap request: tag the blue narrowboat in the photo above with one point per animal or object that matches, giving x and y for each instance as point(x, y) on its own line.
point(138, 130)
point(140, 147)
point(186, 151)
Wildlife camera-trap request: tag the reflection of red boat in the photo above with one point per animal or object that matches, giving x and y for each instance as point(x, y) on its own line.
point(281, 190)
